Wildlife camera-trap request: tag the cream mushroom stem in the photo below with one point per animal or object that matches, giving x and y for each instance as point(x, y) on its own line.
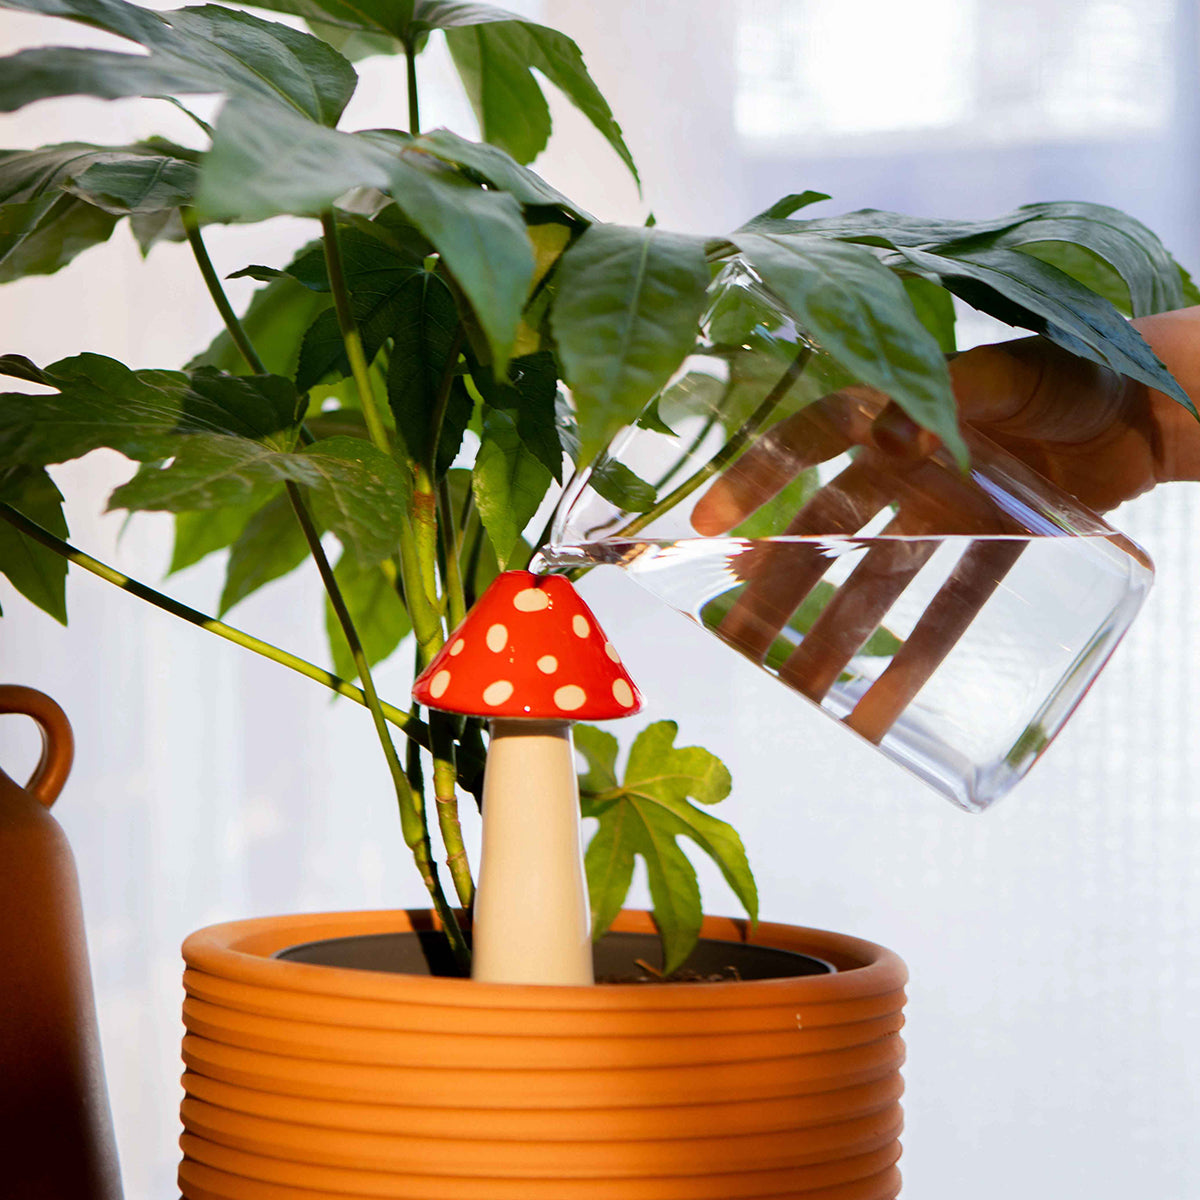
point(532, 922)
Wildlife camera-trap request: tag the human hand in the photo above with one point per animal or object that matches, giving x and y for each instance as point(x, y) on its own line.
point(1093, 433)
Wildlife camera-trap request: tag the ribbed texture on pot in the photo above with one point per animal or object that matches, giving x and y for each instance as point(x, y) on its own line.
point(311, 1083)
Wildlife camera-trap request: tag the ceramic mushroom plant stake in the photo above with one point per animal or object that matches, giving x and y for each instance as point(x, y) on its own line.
point(532, 658)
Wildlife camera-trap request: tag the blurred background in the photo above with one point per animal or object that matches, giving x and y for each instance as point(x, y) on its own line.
point(1054, 943)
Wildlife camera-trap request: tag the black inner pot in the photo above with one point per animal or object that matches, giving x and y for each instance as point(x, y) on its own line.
point(616, 957)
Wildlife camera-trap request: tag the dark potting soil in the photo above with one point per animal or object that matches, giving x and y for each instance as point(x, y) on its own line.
point(618, 958)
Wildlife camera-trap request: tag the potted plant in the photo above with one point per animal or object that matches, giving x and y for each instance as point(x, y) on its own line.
point(451, 298)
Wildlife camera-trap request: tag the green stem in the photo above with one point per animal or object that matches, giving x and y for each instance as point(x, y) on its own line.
point(414, 111)
point(412, 816)
point(217, 292)
point(359, 367)
point(456, 598)
point(441, 730)
point(414, 729)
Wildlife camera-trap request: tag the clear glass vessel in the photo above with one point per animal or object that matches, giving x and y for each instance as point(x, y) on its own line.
point(952, 619)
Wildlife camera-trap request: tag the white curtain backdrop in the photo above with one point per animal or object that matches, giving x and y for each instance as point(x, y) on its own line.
point(1053, 942)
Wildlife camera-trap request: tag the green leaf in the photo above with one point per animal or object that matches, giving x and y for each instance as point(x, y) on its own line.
point(859, 313)
point(491, 165)
point(391, 17)
point(273, 322)
point(1117, 239)
point(1084, 267)
point(625, 316)
point(1022, 290)
point(191, 50)
point(270, 545)
point(510, 482)
point(201, 533)
point(59, 200)
point(599, 749)
point(376, 611)
point(356, 491)
point(495, 53)
point(264, 163)
point(143, 414)
point(934, 307)
point(786, 206)
point(620, 486)
point(323, 352)
point(36, 572)
point(644, 816)
point(530, 397)
point(40, 237)
point(424, 349)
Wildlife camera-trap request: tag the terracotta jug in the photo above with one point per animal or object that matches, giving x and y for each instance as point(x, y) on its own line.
point(56, 1137)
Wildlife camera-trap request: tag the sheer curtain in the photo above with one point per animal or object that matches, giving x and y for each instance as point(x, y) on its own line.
point(1052, 942)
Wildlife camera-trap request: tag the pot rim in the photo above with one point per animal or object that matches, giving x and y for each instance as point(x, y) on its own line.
point(241, 951)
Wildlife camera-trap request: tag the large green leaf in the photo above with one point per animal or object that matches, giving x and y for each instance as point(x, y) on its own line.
point(858, 312)
point(265, 163)
point(1023, 290)
point(205, 531)
point(1133, 252)
point(376, 272)
point(530, 397)
point(423, 360)
point(191, 50)
point(357, 492)
point(510, 482)
point(625, 316)
point(1125, 244)
point(644, 815)
point(270, 545)
point(143, 414)
point(495, 53)
point(59, 200)
point(934, 307)
point(496, 168)
point(275, 321)
point(36, 572)
point(375, 609)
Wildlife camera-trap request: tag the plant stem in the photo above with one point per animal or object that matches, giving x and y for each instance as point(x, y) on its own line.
point(412, 816)
point(359, 367)
point(456, 598)
point(412, 728)
point(414, 111)
point(217, 292)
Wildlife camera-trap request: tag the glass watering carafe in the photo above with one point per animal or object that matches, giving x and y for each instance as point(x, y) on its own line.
point(953, 620)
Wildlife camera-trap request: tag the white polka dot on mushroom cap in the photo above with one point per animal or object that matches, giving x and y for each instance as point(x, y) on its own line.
point(438, 684)
point(498, 692)
point(457, 647)
point(580, 626)
point(547, 664)
point(497, 637)
point(622, 693)
point(611, 651)
point(531, 600)
point(570, 697)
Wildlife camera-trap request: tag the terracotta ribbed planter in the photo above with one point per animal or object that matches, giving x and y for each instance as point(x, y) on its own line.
point(313, 1082)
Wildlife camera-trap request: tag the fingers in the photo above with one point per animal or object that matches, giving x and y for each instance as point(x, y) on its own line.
point(780, 574)
point(813, 435)
point(855, 612)
point(978, 573)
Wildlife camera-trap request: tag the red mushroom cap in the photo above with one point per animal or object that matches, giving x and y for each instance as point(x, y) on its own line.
point(529, 648)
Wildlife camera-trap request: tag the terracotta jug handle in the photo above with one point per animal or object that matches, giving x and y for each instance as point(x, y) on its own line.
point(58, 742)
